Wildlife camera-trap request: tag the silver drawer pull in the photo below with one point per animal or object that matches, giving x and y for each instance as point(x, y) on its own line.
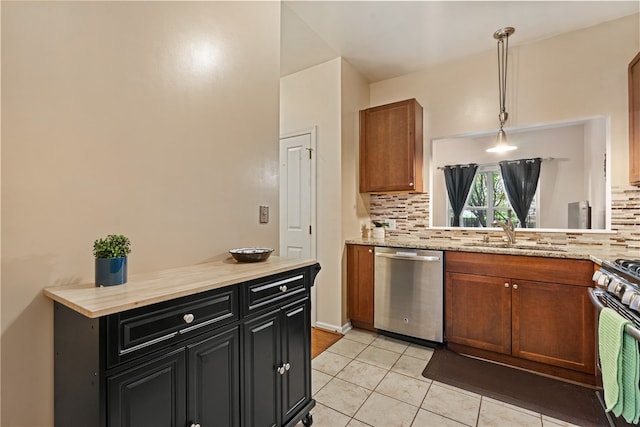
point(281, 370)
point(287, 366)
point(188, 318)
point(515, 286)
point(195, 425)
point(283, 288)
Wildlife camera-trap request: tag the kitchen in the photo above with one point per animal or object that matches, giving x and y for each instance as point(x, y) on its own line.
point(139, 93)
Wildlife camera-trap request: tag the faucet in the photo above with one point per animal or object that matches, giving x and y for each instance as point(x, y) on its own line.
point(508, 228)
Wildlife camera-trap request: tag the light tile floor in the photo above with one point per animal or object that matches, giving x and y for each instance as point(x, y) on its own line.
point(367, 379)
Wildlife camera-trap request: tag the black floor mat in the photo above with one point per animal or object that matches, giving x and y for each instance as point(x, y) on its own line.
point(557, 399)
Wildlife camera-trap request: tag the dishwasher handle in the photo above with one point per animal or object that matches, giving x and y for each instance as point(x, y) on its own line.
point(411, 256)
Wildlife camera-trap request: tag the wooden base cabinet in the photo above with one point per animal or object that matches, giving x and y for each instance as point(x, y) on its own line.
point(360, 292)
point(235, 356)
point(547, 324)
point(278, 338)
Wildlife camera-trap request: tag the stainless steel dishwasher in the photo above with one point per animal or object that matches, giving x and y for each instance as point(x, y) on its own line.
point(409, 292)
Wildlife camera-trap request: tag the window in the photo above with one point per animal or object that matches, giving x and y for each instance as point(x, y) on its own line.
point(488, 202)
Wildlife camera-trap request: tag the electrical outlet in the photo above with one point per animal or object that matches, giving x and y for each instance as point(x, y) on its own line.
point(264, 214)
point(392, 224)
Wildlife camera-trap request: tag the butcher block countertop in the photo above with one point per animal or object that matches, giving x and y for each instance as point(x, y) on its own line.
point(150, 288)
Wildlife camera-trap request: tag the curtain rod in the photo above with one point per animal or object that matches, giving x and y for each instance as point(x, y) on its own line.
point(509, 161)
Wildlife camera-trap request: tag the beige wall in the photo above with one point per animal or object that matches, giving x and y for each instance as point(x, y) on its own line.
point(355, 206)
point(117, 118)
point(571, 76)
point(312, 98)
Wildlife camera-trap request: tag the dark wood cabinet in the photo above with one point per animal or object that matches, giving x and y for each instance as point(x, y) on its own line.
point(214, 380)
point(360, 290)
point(150, 394)
point(278, 365)
point(391, 148)
point(235, 356)
point(634, 121)
point(530, 312)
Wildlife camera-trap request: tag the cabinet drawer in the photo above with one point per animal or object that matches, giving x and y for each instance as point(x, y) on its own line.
point(275, 289)
point(136, 332)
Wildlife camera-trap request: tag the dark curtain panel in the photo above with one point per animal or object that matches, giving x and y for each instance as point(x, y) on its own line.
point(520, 182)
point(458, 179)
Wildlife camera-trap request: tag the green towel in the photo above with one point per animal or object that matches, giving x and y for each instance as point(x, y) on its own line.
point(620, 365)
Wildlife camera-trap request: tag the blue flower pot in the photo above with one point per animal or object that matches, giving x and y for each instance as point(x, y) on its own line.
point(111, 271)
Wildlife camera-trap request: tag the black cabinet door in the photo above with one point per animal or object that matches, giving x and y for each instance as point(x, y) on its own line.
point(214, 380)
point(152, 394)
point(296, 355)
point(262, 359)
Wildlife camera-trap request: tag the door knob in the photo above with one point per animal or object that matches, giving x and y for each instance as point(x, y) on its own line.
point(506, 285)
point(283, 288)
point(515, 286)
point(188, 318)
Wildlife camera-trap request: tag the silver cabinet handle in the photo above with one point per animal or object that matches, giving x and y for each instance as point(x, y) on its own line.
point(506, 285)
point(515, 286)
point(195, 425)
point(370, 251)
point(287, 366)
point(283, 288)
point(281, 370)
point(188, 318)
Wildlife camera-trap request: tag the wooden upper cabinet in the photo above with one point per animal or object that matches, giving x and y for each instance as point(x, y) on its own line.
point(634, 121)
point(391, 148)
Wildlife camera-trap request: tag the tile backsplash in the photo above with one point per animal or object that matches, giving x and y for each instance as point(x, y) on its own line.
point(411, 213)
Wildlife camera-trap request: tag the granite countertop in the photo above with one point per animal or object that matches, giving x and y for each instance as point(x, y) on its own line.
point(596, 253)
point(150, 288)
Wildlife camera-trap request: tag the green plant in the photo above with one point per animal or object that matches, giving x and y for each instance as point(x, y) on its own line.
point(380, 224)
point(112, 246)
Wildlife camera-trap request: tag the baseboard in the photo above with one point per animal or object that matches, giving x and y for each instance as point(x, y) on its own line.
point(333, 328)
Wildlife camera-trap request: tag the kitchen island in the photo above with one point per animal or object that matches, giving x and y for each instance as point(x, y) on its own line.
point(219, 343)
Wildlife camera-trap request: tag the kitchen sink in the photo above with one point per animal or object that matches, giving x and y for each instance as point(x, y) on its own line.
point(521, 246)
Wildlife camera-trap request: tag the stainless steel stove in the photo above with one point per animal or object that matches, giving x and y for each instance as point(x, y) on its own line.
point(617, 286)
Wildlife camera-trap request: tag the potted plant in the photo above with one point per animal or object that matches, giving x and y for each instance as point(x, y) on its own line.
point(379, 228)
point(111, 259)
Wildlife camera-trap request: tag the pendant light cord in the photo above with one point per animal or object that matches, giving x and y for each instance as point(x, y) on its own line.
point(502, 77)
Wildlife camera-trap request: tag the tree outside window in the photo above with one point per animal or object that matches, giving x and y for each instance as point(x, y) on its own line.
point(488, 202)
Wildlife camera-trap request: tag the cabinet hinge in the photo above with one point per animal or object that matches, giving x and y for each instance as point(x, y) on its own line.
point(310, 150)
point(309, 229)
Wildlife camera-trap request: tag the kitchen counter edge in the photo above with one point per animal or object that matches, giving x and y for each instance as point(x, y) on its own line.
point(150, 288)
point(595, 253)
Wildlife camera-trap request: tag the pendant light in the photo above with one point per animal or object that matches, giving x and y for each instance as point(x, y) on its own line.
point(502, 35)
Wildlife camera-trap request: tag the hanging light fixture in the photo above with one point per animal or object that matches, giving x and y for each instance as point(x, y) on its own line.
point(502, 35)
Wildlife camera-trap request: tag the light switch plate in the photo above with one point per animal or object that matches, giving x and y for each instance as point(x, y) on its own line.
point(264, 214)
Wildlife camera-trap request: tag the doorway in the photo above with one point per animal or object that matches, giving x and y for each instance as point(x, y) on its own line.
point(298, 199)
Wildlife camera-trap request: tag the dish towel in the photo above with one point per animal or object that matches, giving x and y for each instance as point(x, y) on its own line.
point(620, 365)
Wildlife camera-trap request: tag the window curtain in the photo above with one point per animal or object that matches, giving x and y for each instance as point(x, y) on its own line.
point(458, 179)
point(520, 179)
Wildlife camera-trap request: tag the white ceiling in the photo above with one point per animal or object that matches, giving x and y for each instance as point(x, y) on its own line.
point(384, 39)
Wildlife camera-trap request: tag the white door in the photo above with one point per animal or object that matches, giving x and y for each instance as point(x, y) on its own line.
point(298, 198)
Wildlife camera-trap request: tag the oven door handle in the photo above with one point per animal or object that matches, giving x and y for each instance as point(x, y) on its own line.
point(594, 299)
point(629, 328)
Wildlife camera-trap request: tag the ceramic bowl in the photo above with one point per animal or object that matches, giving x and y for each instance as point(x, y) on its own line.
point(250, 254)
